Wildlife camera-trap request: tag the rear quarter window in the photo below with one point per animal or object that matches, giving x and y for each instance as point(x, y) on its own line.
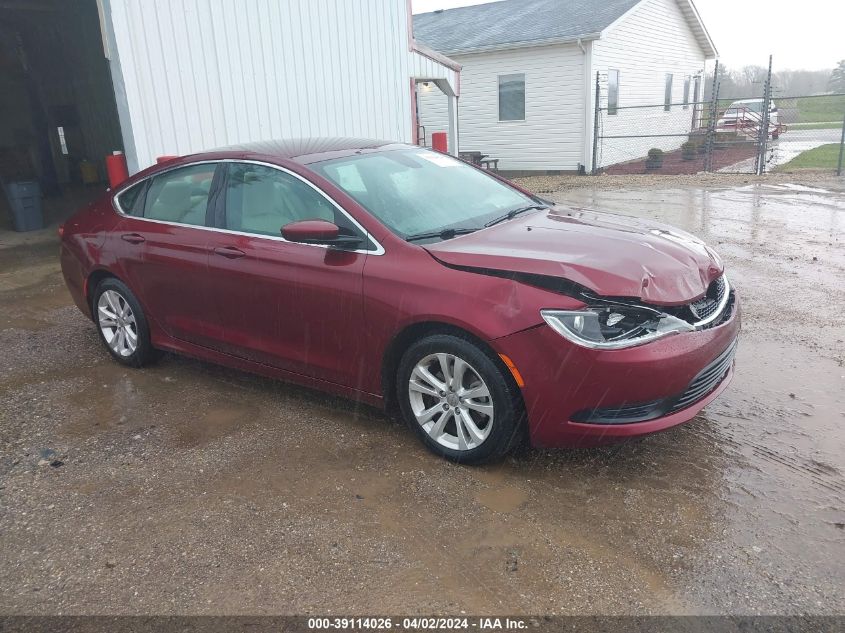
point(131, 201)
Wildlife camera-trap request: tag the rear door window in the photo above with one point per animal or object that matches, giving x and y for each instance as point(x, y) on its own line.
point(180, 195)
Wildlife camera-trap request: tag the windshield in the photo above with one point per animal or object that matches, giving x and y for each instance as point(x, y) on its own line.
point(751, 106)
point(417, 191)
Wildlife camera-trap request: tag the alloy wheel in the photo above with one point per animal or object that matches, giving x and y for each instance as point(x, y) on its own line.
point(117, 323)
point(451, 401)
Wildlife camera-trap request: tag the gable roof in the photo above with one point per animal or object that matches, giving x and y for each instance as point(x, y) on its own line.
point(518, 23)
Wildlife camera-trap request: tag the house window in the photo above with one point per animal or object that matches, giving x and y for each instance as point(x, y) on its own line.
point(696, 91)
point(512, 97)
point(612, 91)
point(667, 95)
point(687, 81)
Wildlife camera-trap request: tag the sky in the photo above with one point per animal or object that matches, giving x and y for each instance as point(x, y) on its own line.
point(809, 34)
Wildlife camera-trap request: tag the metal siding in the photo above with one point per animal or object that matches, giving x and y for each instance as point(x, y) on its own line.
point(653, 40)
point(200, 74)
point(434, 110)
point(551, 136)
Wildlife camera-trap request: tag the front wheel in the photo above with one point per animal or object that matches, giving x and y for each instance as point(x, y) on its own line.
point(458, 400)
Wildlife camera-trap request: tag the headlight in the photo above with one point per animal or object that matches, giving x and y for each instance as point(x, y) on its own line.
point(613, 327)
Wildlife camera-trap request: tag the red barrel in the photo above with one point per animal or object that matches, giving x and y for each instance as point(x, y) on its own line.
point(439, 142)
point(116, 168)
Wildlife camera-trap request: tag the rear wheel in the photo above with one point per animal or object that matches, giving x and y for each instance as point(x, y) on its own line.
point(121, 323)
point(458, 400)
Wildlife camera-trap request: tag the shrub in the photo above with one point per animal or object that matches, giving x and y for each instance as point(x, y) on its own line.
point(688, 150)
point(655, 158)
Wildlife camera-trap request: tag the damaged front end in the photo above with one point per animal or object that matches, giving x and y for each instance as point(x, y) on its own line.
point(620, 323)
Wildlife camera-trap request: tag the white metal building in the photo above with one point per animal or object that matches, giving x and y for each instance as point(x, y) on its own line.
point(169, 77)
point(529, 68)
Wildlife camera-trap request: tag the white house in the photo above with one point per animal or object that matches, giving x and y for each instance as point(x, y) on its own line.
point(171, 77)
point(529, 71)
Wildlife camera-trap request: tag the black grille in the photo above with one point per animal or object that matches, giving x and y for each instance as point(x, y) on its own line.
point(707, 305)
point(704, 382)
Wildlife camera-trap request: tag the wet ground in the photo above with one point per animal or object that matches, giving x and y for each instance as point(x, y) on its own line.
point(188, 488)
point(782, 150)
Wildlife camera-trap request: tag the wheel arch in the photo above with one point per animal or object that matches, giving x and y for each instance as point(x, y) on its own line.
point(416, 331)
point(95, 277)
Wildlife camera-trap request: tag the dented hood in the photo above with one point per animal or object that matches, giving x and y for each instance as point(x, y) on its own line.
point(612, 255)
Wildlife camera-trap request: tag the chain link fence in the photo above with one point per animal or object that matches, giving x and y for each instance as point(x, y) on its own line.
point(755, 134)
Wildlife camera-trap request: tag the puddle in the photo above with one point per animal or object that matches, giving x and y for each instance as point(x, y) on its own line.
point(506, 499)
point(255, 496)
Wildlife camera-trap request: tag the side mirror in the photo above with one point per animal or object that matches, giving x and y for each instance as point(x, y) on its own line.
point(318, 232)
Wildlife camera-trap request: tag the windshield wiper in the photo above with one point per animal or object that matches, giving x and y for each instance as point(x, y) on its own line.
point(510, 215)
point(445, 234)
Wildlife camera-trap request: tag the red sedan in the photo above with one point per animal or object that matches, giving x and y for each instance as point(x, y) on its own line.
point(409, 280)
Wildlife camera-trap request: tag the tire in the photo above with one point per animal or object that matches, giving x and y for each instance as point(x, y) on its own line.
point(432, 406)
point(119, 317)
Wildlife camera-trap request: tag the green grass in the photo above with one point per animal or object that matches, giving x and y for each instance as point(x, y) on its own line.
point(820, 109)
point(822, 157)
point(830, 125)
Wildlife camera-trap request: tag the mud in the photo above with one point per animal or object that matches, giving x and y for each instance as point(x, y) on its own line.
point(189, 488)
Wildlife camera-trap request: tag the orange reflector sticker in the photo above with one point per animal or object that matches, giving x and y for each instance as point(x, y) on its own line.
point(516, 375)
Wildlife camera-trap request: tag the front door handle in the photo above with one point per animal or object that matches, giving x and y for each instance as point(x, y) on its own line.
point(132, 238)
point(229, 252)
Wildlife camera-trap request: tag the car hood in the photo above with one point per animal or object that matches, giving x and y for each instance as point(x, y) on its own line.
point(612, 255)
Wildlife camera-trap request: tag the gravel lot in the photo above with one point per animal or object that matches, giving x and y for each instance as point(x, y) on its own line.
point(188, 488)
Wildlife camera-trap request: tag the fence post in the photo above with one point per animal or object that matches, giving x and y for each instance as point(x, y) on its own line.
point(763, 134)
point(596, 129)
point(841, 148)
point(711, 124)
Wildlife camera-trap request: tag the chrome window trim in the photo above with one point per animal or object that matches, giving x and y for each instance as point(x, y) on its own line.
point(379, 250)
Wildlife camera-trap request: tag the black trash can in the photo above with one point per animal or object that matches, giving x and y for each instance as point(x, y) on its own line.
point(25, 201)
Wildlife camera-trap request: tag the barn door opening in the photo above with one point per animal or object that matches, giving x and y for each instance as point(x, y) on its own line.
point(58, 118)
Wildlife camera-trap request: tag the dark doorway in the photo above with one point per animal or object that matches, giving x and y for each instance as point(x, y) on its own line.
point(58, 118)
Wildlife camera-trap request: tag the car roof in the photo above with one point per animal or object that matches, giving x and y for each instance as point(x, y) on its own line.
point(306, 150)
point(302, 150)
point(751, 101)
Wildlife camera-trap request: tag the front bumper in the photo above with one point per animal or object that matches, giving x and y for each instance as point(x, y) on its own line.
point(579, 397)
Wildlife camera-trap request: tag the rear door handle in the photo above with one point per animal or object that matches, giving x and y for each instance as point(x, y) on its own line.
point(229, 252)
point(132, 238)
